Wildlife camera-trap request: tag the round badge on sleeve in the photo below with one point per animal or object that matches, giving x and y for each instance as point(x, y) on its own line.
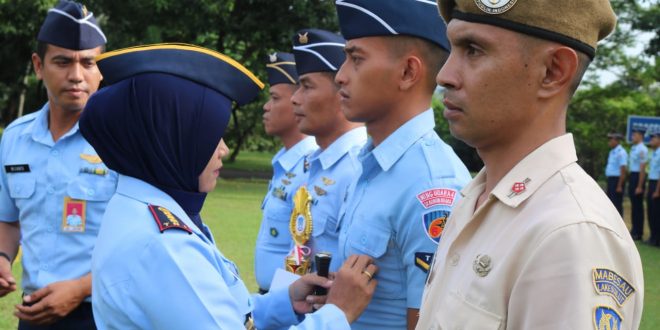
point(495, 6)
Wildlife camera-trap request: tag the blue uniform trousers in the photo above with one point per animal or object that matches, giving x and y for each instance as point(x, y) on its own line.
point(80, 318)
point(653, 213)
point(637, 207)
point(615, 197)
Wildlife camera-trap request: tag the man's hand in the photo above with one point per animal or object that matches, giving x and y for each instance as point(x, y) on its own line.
point(301, 290)
point(353, 286)
point(619, 189)
point(7, 281)
point(53, 302)
point(638, 191)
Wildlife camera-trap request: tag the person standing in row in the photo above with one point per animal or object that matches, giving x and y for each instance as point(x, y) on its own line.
point(410, 178)
point(637, 183)
point(616, 170)
point(274, 238)
point(653, 195)
point(535, 242)
point(53, 186)
point(332, 167)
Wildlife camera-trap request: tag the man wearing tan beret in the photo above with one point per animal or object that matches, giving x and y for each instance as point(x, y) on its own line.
point(535, 243)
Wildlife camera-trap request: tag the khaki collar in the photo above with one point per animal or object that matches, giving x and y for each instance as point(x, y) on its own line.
point(530, 173)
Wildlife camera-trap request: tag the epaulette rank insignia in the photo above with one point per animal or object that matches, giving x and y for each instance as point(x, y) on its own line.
point(167, 220)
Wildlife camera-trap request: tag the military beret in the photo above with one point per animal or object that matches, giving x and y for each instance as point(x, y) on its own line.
point(198, 64)
point(615, 135)
point(579, 24)
point(318, 51)
point(367, 18)
point(69, 25)
point(281, 69)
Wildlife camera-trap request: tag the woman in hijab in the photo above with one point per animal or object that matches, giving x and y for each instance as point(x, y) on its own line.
point(160, 125)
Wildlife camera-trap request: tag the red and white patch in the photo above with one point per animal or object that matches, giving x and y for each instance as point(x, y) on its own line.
point(434, 197)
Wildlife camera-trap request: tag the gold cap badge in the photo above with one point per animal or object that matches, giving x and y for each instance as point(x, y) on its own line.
point(302, 38)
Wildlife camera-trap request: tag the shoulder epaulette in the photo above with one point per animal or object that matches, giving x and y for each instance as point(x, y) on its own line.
point(167, 220)
point(22, 120)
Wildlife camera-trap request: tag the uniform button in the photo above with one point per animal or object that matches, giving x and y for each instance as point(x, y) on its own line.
point(90, 192)
point(363, 240)
point(50, 229)
point(55, 153)
point(454, 259)
point(50, 189)
point(45, 266)
point(17, 188)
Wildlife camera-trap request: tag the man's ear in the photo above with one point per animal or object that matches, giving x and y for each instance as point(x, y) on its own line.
point(561, 65)
point(412, 72)
point(37, 63)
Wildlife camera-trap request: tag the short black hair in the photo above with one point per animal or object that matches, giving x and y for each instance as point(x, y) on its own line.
point(42, 48)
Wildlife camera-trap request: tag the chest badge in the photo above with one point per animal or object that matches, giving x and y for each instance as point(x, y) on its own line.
point(328, 181)
point(92, 159)
point(73, 215)
point(482, 265)
point(319, 191)
point(519, 188)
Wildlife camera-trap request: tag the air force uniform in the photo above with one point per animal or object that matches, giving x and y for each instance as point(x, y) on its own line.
point(617, 158)
point(409, 183)
point(653, 204)
point(39, 179)
point(42, 181)
point(546, 249)
point(333, 169)
point(331, 172)
point(274, 239)
point(195, 284)
point(154, 265)
point(289, 172)
point(638, 156)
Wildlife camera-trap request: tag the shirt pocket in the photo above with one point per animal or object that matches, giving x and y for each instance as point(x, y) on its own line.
point(461, 314)
point(324, 223)
point(278, 218)
point(92, 187)
point(21, 185)
point(370, 241)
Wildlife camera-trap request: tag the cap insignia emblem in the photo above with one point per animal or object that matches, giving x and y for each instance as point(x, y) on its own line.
point(302, 38)
point(272, 57)
point(495, 6)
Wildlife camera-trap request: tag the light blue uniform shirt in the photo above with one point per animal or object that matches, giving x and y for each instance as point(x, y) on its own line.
point(638, 155)
point(654, 168)
point(396, 212)
point(274, 238)
point(145, 279)
point(35, 197)
point(618, 157)
point(331, 171)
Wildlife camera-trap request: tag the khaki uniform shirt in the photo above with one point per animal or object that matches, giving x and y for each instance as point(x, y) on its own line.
point(547, 250)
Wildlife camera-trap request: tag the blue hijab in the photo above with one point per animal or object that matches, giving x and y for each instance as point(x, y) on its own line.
point(159, 128)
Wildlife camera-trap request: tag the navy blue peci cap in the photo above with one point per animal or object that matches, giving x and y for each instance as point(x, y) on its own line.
point(198, 64)
point(369, 18)
point(69, 25)
point(318, 51)
point(281, 69)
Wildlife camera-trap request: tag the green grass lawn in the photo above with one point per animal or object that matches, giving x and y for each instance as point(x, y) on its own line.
point(233, 212)
point(251, 161)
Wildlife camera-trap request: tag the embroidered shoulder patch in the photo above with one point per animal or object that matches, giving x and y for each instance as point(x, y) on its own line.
point(167, 220)
point(608, 282)
point(423, 261)
point(606, 318)
point(434, 197)
point(434, 224)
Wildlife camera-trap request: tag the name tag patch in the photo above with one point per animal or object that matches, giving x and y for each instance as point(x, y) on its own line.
point(608, 282)
point(18, 168)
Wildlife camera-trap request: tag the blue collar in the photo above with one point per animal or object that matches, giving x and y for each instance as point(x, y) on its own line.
point(289, 158)
point(394, 146)
point(335, 151)
point(39, 130)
